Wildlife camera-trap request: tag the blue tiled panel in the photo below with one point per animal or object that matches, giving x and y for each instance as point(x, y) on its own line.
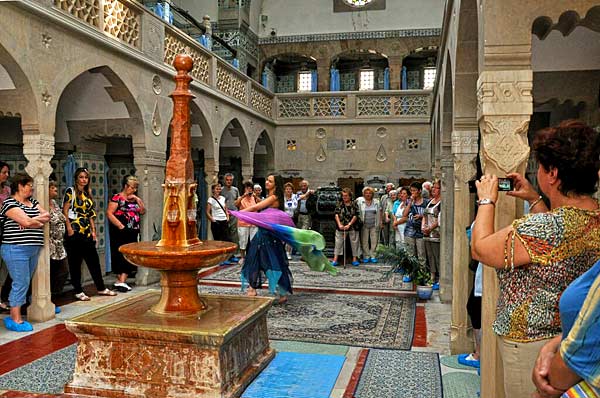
point(296, 375)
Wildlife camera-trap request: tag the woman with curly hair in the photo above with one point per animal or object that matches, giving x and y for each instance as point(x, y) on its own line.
point(540, 254)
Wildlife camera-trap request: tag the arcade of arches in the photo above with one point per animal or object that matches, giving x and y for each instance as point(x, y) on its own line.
point(79, 87)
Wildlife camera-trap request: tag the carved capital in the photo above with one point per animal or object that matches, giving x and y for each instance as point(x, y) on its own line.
point(465, 142)
point(38, 149)
point(505, 93)
point(504, 141)
point(465, 169)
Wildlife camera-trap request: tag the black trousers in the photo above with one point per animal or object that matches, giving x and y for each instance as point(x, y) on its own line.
point(220, 230)
point(80, 248)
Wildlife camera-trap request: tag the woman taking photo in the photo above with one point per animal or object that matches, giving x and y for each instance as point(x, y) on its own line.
point(22, 240)
point(80, 214)
point(346, 217)
point(266, 253)
point(123, 212)
point(539, 255)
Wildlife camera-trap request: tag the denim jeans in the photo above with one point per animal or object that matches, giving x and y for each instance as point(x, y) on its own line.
point(21, 261)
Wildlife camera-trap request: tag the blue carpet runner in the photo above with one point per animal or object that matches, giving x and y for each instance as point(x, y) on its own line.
point(296, 375)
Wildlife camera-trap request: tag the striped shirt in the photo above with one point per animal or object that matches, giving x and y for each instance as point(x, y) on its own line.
point(579, 349)
point(13, 233)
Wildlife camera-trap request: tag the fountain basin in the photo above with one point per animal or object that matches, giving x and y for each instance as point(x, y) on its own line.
point(177, 258)
point(178, 268)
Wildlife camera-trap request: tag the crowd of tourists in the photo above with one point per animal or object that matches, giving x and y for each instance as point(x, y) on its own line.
point(72, 239)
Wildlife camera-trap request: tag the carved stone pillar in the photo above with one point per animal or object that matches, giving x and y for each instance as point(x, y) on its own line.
point(395, 65)
point(505, 107)
point(323, 74)
point(446, 228)
point(38, 149)
point(150, 166)
point(464, 150)
point(211, 168)
point(247, 172)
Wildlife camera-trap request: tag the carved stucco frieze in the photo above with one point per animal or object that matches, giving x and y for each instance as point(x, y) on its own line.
point(504, 141)
point(505, 93)
point(38, 153)
point(465, 142)
point(465, 169)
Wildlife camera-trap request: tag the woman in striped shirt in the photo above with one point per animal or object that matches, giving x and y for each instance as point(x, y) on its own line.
point(23, 221)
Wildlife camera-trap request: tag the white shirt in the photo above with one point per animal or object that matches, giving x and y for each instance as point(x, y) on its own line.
point(216, 211)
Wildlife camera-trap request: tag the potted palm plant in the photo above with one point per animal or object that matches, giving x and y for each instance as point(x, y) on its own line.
point(408, 264)
point(422, 279)
point(399, 258)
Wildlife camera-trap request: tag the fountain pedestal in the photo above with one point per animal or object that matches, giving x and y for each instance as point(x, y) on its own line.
point(127, 350)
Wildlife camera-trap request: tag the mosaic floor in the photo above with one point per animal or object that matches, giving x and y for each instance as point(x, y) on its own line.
point(324, 365)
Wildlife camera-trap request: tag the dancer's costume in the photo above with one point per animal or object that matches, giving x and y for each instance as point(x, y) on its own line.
point(266, 253)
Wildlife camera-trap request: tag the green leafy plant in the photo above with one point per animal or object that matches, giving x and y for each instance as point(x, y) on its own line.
point(399, 258)
point(422, 277)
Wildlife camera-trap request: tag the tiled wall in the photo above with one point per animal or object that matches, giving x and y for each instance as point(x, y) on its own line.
point(285, 84)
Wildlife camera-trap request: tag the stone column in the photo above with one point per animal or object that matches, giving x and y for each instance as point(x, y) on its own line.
point(446, 228)
point(247, 172)
point(395, 65)
point(150, 166)
point(211, 168)
point(323, 74)
point(464, 151)
point(505, 107)
point(38, 148)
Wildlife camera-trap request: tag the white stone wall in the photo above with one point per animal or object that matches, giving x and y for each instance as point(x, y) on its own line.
point(300, 17)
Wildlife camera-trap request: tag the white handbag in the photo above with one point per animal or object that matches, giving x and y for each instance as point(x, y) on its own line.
point(71, 213)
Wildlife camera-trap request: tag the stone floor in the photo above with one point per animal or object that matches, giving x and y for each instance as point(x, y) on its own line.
point(432, 334)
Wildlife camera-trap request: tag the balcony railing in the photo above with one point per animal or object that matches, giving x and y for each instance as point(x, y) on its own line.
point(413, 104)
point(122, 20)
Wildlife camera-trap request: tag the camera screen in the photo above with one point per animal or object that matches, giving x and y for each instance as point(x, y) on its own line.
point(505, 184)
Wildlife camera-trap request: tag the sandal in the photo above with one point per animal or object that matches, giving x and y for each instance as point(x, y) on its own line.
point(82, 297)
point(4, 308)
point(107, 292)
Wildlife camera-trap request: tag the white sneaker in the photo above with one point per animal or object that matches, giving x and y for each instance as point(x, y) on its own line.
point(289, 256)
point(122, 287)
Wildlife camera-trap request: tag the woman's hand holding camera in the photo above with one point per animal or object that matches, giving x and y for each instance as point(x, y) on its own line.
point(487, 187)
point(523, 188)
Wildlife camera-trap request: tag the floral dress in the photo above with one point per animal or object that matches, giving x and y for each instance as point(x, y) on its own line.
point(128, 213)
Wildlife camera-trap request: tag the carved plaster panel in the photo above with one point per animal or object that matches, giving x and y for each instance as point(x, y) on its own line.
point(505, 92)
point(465, 169)
point(321, 155)
point(46, 40)
point(381, 154)
point(465, 142)
point(504, 141)
point(156, 120)
point(156, 85)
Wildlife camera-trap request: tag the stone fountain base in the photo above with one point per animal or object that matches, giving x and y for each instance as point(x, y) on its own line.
point(125, 350)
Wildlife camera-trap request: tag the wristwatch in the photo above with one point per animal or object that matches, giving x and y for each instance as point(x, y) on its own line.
point(485, 201)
